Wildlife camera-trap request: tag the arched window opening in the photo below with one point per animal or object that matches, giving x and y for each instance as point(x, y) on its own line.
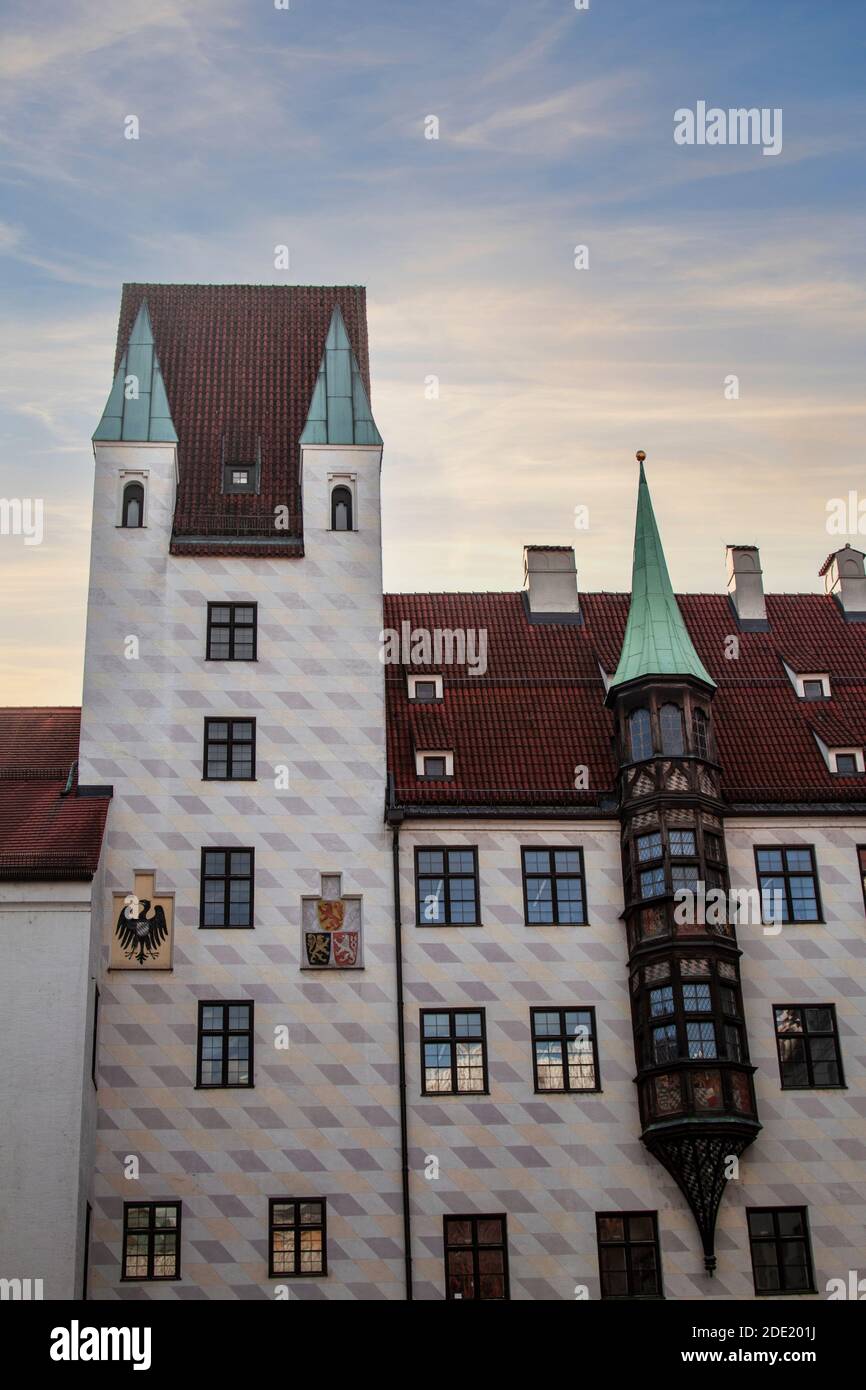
point(640, 730)
point(133, 505)
point(701, 731)
point(341, 509)
point(671, 720)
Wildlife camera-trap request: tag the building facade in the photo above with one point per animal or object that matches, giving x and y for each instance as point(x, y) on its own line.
point(447, 945)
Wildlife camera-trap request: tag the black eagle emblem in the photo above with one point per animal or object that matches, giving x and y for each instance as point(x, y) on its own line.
point(141, 935)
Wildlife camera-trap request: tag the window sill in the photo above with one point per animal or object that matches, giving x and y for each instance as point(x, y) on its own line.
point(212, 926)
point(451, 1095)
point(438, 926)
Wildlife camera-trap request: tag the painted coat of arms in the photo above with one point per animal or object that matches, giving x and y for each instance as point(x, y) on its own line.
point(142, 927)
point(331, 929)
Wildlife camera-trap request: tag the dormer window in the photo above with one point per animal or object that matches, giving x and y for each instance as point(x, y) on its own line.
point(809, 685)
point(846, 762)
point(132, 513)
point(813, 689)
point(435, 764)
point(425, 689)
point(241, 458)
point(239, 478)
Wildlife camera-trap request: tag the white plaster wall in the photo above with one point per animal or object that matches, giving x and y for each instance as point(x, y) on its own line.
point(45, 991)
point(322, 1118)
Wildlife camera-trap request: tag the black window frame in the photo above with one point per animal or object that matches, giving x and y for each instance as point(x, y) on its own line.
point(336, 498)
point(554, 875)
point(861, 868)
point(647, 729)
point(151, 1230)
point(452, 1040)
point(298, 1227)
point(230, 721)
point(232, 625)
point(787, 874)
point(805, 1035)
point(627, 1245)
point(447, 876)
point(227, 879)
point(94, 1043)
point(225, 1032)
point(563, 1037)
point(805, 1240)
point(475, 1247)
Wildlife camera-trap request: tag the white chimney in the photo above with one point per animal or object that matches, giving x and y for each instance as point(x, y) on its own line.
point(844, 577)
point(745, 584)
point(550, 579)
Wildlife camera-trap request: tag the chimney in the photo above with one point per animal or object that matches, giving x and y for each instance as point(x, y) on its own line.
point(550, 582)
point(845, 579)
point(745, 586)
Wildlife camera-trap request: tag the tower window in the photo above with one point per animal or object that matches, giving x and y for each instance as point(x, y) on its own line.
point(341, 509)
point(671, 720)
point(640, 730)
point(701, 732)
point(133, 505)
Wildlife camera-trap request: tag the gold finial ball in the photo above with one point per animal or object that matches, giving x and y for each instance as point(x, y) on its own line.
point(640, 455)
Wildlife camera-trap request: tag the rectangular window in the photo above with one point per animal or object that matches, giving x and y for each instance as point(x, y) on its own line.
point(652, 882)
point(95, 1043)
point(435, 766)
point(564, 1050)
point(453, 1052)
point(781, 1258)
point(807, 1038)
point(682, 844)
point(476, 1257)
point(229, 750)
point(628, 1254)
point(649, 846)
point(861, 859)
point(225, 1044)
point(297, 1238)
point(553, 886)
point(446, 887)
point(226, 888)
point(239, 477)
point(787, 877)
point(151, 1240)
point(813, 689)
point(231, 631)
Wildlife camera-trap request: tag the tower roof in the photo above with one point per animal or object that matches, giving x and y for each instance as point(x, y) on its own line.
point(340, 410)
point(142, 413)
point(657, 641)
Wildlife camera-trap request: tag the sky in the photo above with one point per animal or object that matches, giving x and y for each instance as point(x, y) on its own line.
point(308, 127)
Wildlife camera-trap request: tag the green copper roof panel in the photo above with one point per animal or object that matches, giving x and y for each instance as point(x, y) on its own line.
point(339, 411)
point(138, 410)
point(657, 642)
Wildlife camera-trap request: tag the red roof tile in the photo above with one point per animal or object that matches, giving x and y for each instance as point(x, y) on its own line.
point(244, 358)
point(43, 833)
point(519, 732)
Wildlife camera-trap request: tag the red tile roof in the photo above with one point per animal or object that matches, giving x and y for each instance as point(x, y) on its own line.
point(242, 358)
point(43, 833)
point(519, 732)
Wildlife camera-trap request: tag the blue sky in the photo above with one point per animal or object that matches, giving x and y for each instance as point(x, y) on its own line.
point(306, 127)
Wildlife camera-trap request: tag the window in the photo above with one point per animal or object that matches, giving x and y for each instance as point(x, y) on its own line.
point(812, 685)
point(564, 1050)
point(95, 1042)
point(226, 888)
point(789, 884)
point(701, 733)
point(133, 505)
point(640, 731)
point(813, 690)
point(861, 857)
point(225, 1044)
point(231, 631)
point(476, 1257)
point(446, 887)
point(453, 1052)
point(682, 843)
point(652, 882)
point(684, 876)
point(151, 1240)
point(434, 767)
point(297, 1238)
point(425, 689)
point(649, 846)
point(434, 763)
point(229, 750)
point(781, 1259)
point(239, 477)
point(807, 1039)
point(341, 509)
point(844, 764)
point(671, 722)
point(553, 890)
point(628, 1254)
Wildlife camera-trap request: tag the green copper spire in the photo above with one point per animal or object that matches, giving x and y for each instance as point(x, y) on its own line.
point(339, 412)
point(137, 408)
point(657, 642)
